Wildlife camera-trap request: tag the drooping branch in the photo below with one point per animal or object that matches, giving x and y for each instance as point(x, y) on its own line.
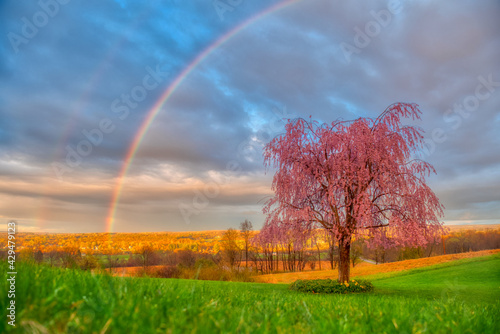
point(350, 176)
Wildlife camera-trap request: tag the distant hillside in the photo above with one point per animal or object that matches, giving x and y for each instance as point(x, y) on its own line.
point(483, 227)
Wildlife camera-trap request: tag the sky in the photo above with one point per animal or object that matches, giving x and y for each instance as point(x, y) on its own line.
point(138, 116)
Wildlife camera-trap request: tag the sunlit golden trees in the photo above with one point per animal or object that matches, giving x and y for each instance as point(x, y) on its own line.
point(246, 231)
point(230, 249)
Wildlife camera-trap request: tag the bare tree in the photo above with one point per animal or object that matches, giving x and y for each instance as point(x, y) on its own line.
point(113, 262)
point(147, 255)
point(70, 256)
point(315, 240)
point(356, 252)
point(38, 256)
point(88, 262)
point(53, 256)
point(230, 248)
point(331, 255)
point(186, 257)
point(246, 230)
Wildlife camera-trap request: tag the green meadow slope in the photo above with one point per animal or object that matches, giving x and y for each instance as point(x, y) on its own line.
point(461, 296)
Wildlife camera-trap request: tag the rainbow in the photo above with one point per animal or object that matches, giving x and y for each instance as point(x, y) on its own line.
point(129, 157)
point(81, 102)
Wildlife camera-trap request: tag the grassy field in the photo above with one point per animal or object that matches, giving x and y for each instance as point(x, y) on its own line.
point(460, 296)
point(364, 268)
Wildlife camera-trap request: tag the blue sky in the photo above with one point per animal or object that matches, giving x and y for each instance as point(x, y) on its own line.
point(69, 66)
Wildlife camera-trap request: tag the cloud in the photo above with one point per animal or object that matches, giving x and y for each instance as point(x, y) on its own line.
point(290, 63)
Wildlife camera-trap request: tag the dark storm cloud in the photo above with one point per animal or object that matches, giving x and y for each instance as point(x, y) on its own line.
point(82, 60)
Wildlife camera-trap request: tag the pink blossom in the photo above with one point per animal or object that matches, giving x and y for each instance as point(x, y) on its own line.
point(353, 177)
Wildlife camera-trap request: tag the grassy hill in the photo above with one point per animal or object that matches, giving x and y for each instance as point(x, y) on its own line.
point(366, 269)
point(460, 296)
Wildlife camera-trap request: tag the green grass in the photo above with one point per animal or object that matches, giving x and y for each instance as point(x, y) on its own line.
point(469, 280)
point(459, 297)
point(121, 257)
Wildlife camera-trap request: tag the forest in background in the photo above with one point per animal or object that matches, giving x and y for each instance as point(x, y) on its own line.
point(227, 255)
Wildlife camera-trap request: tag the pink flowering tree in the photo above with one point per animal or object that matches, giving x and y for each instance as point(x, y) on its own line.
point(354, 177)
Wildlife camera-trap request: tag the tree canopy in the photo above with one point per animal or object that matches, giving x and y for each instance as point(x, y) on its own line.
point(353, 178)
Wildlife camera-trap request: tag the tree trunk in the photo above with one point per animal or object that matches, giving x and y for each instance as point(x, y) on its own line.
point(246, 253)
point(319, 256)
point(331, 254)
point(344, 259)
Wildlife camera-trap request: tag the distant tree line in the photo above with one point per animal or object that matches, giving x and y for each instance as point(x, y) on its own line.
point(242, 253)
point(297, 250)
